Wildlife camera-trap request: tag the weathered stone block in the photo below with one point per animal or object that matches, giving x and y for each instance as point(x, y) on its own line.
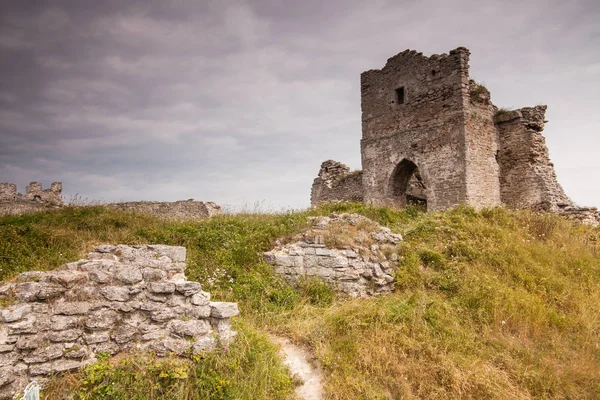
point(62, 322)
point(223, 310)
point(165, 314)
point(28, 325)
point(48, 291)
point(188, 288)
point(115, 293)
point(172, 345)
point(13, 314)
point(124, 333)
point(64, 278)
point(72, 308)
point(101, 319)
point(189, 328)
point(106, 347)
point(161, 287)
point(96, 337)
point(29, 276)
point(200, 299)
point(128, 274)
point(68, 335)
point(45, 353)
point(322, 252)
point(27, 291)
point(30, 342)
point(61, 365)
point(153, 274)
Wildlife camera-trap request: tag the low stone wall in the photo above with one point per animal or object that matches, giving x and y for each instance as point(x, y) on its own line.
point(176, 209)
point(20, 207)
point(119, 298)
point(347, 251)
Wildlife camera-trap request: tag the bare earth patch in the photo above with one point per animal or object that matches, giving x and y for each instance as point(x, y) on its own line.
point(297, 360)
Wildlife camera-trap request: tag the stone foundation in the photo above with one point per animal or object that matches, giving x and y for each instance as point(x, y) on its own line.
point(347, 251)
point(119, 298)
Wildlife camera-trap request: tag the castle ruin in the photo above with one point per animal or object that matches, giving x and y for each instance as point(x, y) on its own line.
point(431, 136)
point(35, 198)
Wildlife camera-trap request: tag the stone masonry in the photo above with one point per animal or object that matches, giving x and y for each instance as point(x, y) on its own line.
point(336, 183)
point(432, 136)
point(119, 298)
point(183, 209)
point(35, 198)
point(350, 252)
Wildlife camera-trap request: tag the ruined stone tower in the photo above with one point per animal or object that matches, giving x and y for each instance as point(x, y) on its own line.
point(431, 136)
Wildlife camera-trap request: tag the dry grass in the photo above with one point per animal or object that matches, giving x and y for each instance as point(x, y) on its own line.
point(493, 304)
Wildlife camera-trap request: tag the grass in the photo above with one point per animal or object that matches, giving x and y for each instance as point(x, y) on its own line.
point(495, 304)
point(476, 90)
point(501, 111)
point(250, 369)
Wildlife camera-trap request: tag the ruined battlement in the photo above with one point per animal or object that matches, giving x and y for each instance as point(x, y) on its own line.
point(432, 136)
point(36, 198)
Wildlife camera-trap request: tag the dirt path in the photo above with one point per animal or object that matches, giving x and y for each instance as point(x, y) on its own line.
point(296, 358)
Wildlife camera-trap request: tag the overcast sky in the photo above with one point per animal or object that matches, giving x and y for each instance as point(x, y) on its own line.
point(239, 101)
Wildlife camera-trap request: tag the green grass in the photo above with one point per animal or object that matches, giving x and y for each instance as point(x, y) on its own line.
point(494, 304)
point(250, 369)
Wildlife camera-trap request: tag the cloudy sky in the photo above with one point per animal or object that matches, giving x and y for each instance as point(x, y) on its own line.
point(239, 101)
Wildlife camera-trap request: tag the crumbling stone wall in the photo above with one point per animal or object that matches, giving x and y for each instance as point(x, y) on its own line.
point(335, 182)
point(425, 129)
point(35, 198)
point(348, 251)
point(432, 135)
point(527, 178)
point(177, 209)
point(52, 196)
point(8, 192)
point(481, 136)
point(119, 298)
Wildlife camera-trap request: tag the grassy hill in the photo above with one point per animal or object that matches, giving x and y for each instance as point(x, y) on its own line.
point(494, 304)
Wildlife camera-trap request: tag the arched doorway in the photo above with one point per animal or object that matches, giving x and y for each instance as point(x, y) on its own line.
point(407, 186)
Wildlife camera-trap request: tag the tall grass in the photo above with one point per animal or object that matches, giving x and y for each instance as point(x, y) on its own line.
point(493, 304)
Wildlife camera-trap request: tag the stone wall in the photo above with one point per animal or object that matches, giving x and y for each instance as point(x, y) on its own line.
point(52, 196)
point(335, 182)
point(527, 177)
point(424, 133)
point(8, 192)
point(177, 209)
point(119, 298)
point(481, 135)
point(35, 198)
point(348, 251)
